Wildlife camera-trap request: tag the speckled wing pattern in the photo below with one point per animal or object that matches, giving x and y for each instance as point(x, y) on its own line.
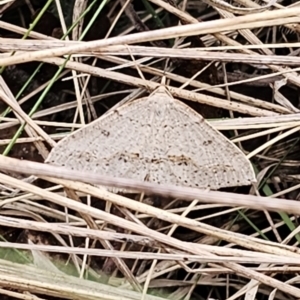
point(158, 139)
